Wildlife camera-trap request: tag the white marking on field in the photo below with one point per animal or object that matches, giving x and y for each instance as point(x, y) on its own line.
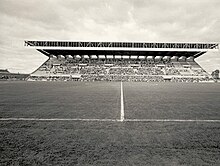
point(56, 119)
point(110, 120)
point(172, 120)
point(122, 104)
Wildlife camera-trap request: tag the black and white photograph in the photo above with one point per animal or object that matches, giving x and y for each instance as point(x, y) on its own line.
point(109, 83)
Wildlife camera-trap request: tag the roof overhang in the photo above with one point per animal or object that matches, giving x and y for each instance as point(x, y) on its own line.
point(121, 48)
point(122, 52)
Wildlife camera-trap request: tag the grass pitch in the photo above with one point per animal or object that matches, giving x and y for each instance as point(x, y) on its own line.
point(172, 100)
point(109, 143)
point(60, 100)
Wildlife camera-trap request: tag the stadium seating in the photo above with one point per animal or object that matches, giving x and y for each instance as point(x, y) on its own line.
point(118, 69)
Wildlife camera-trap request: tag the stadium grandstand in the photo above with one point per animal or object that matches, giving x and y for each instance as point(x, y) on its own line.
point(120, 61)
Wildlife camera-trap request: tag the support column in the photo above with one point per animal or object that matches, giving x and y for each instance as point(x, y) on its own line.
point(182, 59)
point(174, 58)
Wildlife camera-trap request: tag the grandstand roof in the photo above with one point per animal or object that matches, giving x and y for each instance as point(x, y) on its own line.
point(121, 48)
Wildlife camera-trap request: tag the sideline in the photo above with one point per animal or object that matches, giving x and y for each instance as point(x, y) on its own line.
point(172, 120)
point(111, 120)
point(56, 119)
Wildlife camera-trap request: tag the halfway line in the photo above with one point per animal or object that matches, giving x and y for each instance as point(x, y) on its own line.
point(122, 104)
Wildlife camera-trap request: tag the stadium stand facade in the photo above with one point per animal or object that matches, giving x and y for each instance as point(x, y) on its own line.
point(121, 61)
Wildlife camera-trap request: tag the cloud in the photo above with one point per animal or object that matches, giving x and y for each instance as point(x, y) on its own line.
point(103, 20)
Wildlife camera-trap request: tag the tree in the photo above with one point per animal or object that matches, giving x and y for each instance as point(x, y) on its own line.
point(215, 74)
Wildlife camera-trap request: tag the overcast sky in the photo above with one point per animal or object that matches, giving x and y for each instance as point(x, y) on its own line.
point(104, 20)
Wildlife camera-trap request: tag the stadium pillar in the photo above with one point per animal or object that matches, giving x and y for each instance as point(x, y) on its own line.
point(174, 58)
point(153, 58)
point(150, 58)
point(68, 56)
point(60, 56)
point(182, 59)
point(158, 58)
point(52, 56)
point(190, 59)
point(77, 56)
point(168, 58)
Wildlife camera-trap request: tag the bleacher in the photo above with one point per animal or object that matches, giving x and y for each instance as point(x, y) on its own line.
point(116, 69)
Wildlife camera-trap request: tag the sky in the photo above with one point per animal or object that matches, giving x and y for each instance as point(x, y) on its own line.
point(104, 20)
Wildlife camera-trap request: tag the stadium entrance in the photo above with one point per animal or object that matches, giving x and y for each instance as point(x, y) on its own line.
point(121, 61)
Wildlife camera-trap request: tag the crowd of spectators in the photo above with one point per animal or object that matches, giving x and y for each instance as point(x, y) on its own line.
point(116, 70)
point(109, 78)
point(191, 79)
point(123, 78)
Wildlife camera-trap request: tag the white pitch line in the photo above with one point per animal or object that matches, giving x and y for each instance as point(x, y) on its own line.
point(172, 120)
point(56, 119)
point(110, 120)
point(122, 104)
